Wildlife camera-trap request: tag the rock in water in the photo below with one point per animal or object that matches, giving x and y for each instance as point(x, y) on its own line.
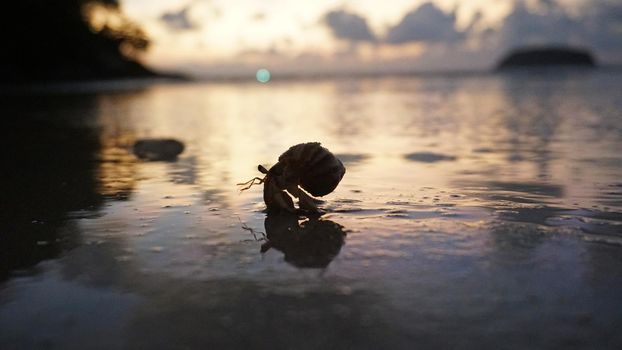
point(158, 149)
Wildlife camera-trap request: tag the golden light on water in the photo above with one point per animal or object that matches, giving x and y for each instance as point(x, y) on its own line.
point(376, 123)
point(422, 155)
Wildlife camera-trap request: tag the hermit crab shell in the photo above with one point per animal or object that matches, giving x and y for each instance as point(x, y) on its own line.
point(314, 167)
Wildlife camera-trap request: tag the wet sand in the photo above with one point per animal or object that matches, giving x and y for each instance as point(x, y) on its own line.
point(476, 212)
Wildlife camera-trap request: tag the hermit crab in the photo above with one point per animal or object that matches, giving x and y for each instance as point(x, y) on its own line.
point(306, 167)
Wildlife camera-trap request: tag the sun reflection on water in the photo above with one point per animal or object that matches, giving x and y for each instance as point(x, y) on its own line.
point(428, 150)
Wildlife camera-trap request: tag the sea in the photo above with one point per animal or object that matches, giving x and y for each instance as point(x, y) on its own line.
point(477, 211)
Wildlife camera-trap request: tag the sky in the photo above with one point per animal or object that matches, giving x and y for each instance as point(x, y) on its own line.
point(236, 37)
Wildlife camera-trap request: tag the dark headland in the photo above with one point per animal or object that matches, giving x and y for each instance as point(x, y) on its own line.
point(70, 40)
point(547, 57)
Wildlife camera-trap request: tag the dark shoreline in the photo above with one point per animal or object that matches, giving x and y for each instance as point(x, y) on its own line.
point(92, 85)
point(135, 83)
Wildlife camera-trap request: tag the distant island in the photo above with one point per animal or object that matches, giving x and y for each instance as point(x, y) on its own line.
point(547, 57)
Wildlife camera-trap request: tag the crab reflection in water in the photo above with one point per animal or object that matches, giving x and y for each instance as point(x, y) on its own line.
point(308, 243)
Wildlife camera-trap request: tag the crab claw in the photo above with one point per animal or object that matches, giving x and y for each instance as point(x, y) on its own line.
point(275, 198)
point(307, 202)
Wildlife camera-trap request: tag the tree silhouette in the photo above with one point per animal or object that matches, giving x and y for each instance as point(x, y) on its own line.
point(69, 40)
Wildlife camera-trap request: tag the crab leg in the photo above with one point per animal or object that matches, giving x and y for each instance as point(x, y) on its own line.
point(306, 202)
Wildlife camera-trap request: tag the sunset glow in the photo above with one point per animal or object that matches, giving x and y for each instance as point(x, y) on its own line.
point(229, 37)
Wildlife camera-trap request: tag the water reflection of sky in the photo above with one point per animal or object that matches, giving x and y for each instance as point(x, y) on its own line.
point(465, 200)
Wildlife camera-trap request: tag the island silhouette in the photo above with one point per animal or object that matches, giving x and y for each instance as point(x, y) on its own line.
point(546, 56)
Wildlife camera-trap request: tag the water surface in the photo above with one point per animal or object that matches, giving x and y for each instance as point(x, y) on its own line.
point(476, 212)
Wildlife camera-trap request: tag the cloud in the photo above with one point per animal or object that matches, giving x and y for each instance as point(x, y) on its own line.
point(476, 44)
point(178, 20)
point(524, 26)
point(348, 26)
point(605, 27)
point(599, 27)
point(258, 16)
point(426, 24)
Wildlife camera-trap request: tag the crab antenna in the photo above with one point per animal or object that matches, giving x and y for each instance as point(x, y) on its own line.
point(248, 184)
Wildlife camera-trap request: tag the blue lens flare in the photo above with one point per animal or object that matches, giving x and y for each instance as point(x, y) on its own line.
point(263, 75)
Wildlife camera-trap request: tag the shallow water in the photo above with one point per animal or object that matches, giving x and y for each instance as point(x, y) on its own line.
point(476, 212)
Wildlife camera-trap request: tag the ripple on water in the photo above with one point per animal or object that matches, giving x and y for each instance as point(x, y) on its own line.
point(352, 158)
point(429, 157)
point(595, 222)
